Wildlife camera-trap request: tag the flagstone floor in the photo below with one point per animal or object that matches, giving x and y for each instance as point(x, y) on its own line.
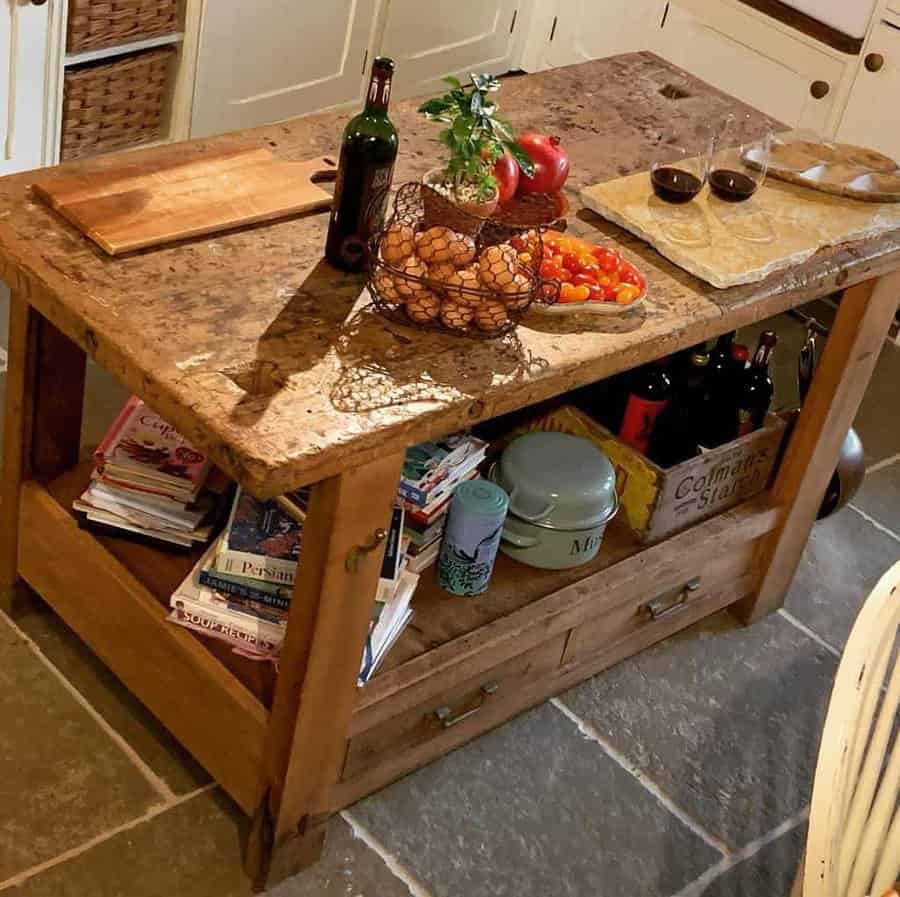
point(684, 771)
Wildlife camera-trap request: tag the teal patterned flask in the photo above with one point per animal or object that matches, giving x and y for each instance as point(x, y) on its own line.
point(472, 537)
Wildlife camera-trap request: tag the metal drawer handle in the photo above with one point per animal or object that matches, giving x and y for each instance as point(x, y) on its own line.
point(446, 716)
point(662, 606)
point(352, 562)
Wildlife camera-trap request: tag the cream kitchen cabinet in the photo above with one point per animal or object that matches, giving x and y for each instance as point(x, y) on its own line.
point(792, 78)
point(872, 117)
point(24, 40)
point(429, 39)
point(274, 59)
point(569, 31)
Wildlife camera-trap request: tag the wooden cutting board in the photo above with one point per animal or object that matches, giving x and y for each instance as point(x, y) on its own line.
point(727, 244)
point(135, 205)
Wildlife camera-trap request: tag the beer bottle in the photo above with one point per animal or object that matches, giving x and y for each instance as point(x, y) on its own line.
point(365, 169)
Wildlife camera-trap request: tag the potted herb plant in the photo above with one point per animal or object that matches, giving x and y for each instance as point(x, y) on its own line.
point(476, 140)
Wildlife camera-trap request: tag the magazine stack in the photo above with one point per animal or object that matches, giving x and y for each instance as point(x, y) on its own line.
point(431, 473)
point(150, 484)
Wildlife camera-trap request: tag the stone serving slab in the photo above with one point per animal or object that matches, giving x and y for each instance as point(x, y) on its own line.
point(727, 244)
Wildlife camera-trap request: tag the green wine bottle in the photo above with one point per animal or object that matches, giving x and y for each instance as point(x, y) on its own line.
point(368, 151)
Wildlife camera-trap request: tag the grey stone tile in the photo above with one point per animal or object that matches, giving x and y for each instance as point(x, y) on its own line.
point(878, 419)
point(194, 850)
point(768, 873)
point(533, 808)
point(62, 779)
point(879, 496)
point(125, 714)
point(844, 558)
point(724, 719)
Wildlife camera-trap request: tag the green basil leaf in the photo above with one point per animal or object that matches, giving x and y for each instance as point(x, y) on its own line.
point(453, 82)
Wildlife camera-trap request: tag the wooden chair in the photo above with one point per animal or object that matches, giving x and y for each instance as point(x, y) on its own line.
point(853, 844)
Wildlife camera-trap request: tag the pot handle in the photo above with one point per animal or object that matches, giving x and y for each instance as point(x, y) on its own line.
point(519, 541)
point(530, 518)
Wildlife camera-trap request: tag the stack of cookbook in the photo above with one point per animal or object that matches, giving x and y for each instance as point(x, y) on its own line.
point(240, 590)
point(431, 473)
point(150, 484)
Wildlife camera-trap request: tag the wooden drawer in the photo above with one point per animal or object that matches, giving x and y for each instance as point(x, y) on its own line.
point(702, 590)
point(458, 710)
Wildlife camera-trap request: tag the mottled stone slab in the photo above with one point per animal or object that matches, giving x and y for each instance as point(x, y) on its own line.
point(879, 496)
point(724, 719)
point(768, 873)
point(261, 354)
point(63, 779)
point(533, 808)
point(194, 850)
point(843, 560)
point(727, 244)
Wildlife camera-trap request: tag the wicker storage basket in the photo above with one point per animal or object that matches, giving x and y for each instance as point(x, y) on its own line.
point(108, 23)
point(111, 105)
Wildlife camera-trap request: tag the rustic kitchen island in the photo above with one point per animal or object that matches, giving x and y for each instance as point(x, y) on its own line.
point(268, 359)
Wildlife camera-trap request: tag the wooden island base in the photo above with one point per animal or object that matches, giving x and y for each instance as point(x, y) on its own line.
point(268, 360)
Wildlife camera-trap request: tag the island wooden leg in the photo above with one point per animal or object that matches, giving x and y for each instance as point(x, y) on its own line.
point(320, 659)
point(840, 381)
point(42, 421)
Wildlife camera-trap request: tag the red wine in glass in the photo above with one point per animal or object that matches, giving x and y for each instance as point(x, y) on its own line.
point(674, 184)
point(731, 186)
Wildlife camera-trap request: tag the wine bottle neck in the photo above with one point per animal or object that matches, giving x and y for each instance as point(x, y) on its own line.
point(379, 94)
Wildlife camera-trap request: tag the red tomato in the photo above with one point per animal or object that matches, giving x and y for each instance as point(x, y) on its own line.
point(584, 279)
point(557, 259)
point(570, 262)
point(597, 293)
point(506, 170)
point(591, 269)
point(551, 164)
point(609, 292)
point(550, 270)
point(572, 293)
point(607, 259)
point(628, 274)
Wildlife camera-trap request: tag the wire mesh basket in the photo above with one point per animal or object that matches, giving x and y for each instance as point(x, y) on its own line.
point(475, 278)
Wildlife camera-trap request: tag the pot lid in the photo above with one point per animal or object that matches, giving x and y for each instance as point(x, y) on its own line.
point(557, 480)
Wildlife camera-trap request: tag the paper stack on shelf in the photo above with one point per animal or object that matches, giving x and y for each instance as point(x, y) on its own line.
point(431, 473)
point(149, 483)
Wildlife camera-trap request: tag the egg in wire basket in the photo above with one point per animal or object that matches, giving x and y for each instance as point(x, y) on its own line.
point(491, 316)
point(498, 266)
point(442, 244)
point(455, 315)
point(424, 307)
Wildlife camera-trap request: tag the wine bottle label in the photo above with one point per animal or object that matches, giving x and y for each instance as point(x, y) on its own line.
point(746, 423)
point(637, 425)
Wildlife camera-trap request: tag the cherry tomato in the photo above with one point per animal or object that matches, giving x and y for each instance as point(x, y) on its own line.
point(592, 269)
point(570, 262)
point(557, 259)
point(572, 293)
point(628, 274)
point(627, 293)
point(584, 279)
point(609, 291)
point(550, 270)
point(525, 260)
point(597, 293)
point(519, 242)
point(607, 259)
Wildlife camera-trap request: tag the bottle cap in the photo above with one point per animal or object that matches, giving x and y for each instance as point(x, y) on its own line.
point(768, 338)
point(740, 352)
point(700, 359)
point(385, 63)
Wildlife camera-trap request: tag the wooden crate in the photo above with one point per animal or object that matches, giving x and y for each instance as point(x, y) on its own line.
point(657, 501)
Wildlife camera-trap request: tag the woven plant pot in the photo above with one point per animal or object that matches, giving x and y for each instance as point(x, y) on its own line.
point(111, 105)
point(464, 218)
point(94, 24)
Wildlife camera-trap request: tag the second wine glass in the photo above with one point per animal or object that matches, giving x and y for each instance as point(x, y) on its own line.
point(739, 161)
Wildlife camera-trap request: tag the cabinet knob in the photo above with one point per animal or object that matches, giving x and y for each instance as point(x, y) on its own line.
point(874, 62)
point(819, 89)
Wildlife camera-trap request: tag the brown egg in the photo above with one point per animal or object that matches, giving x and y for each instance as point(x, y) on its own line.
point(423, 307)
point(409, 286)
point(455, 315)
point(497, 266)
point(398, 243)
point(517, 293)
point(441, 244)
point(465, 279)
point(383, 282)
point(440, 272)
point(491, 316)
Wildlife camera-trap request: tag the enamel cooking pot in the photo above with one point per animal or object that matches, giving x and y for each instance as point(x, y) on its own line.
point(562, 495)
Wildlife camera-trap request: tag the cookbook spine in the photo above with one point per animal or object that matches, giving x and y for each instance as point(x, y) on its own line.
point(209, 579)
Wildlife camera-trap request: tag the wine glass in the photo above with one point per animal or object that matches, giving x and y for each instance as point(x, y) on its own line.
point(678, 174)
point(739, 161)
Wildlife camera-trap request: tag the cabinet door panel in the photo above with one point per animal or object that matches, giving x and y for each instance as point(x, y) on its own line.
point(274, 59)
point(23, 83)
point(587, 29)
point(867, 119)
point(446, 37)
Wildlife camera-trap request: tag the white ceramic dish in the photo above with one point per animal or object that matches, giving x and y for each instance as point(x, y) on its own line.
point(588, 308)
